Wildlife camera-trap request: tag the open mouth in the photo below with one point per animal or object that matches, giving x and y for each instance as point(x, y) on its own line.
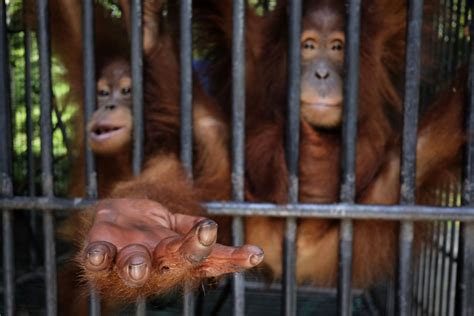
point(103, 132)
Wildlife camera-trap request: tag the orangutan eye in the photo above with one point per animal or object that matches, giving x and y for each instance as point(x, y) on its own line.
point(103, 93)
point(337, 45)
point(126, 91)
point(309, 44)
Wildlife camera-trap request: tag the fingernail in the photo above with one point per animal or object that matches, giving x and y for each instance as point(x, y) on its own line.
point(137, 271)
point(256, 259)
point(96, 257)
point(207, 233)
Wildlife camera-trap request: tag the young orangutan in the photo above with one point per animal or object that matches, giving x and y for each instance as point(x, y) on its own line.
point(113, 147)
point(185, 246)
point(135, 247)
point(109, 130)
point(322, 71)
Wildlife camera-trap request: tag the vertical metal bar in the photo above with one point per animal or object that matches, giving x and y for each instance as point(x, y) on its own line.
point(437, 254)
point(448, 257)
point(421, 274)
point(444, 44)
point(349, 139)
point(465, 288)
point(186, 102)
point(6, 185)
point(468, 21)
point(453, 256)
point(408, 166)
point(448, 57)
point(414, 292)
point(457, 52)
point(136, 15)
point(186, 84)
point(454, 273)
point(389, 309)
point(292, 155)
point(89, 108)
point(136, 41)
point(89, 90)
point(427, 270)
point(46, 153)
point(438, 49)
point(431, 268)
point(29, 135)
point(434, 47)
point(443, 256)
point(434, 260)
point(238, 139)
point(439, 267)
point(465, 303)
point(447, 269)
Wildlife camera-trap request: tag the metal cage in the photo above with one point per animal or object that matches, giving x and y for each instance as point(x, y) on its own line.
point(442, 281)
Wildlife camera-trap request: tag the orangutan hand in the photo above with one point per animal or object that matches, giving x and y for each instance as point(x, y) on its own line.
point(137, 248)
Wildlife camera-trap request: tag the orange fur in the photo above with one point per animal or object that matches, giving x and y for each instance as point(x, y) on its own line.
point(382, 62)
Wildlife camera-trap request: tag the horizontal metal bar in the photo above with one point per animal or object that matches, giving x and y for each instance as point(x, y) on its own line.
point(339, 210)
point(342, 210)
point(45, 203)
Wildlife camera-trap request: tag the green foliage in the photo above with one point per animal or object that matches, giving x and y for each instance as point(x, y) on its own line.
point(19, 87)
point(262, 6)
point(112, 7)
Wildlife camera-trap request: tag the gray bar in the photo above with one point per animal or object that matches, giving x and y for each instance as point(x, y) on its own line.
point(292, 153)
point(50, 263)
point(140, 307)
point(405, 269)
point(465, 303)
point(136, 24)
point(348, 159)
point(427, 271)
point(136, 41)
point(465, 287)
point(189, 305)
point(8, 263)
point(339, 210)
point(46, 153)
point(186, 104)
point(28, 103)
point(238, 139)
point(6, 185)
point(408, 164)
point(89, 108)
point(89, 90)
point(451, 282)
point(344, 289)
point(351, 98)
point(432, 268)
point(186, 85)
point(29, 136)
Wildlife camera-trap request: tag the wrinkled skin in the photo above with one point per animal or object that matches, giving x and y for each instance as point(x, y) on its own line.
point(165, 244)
